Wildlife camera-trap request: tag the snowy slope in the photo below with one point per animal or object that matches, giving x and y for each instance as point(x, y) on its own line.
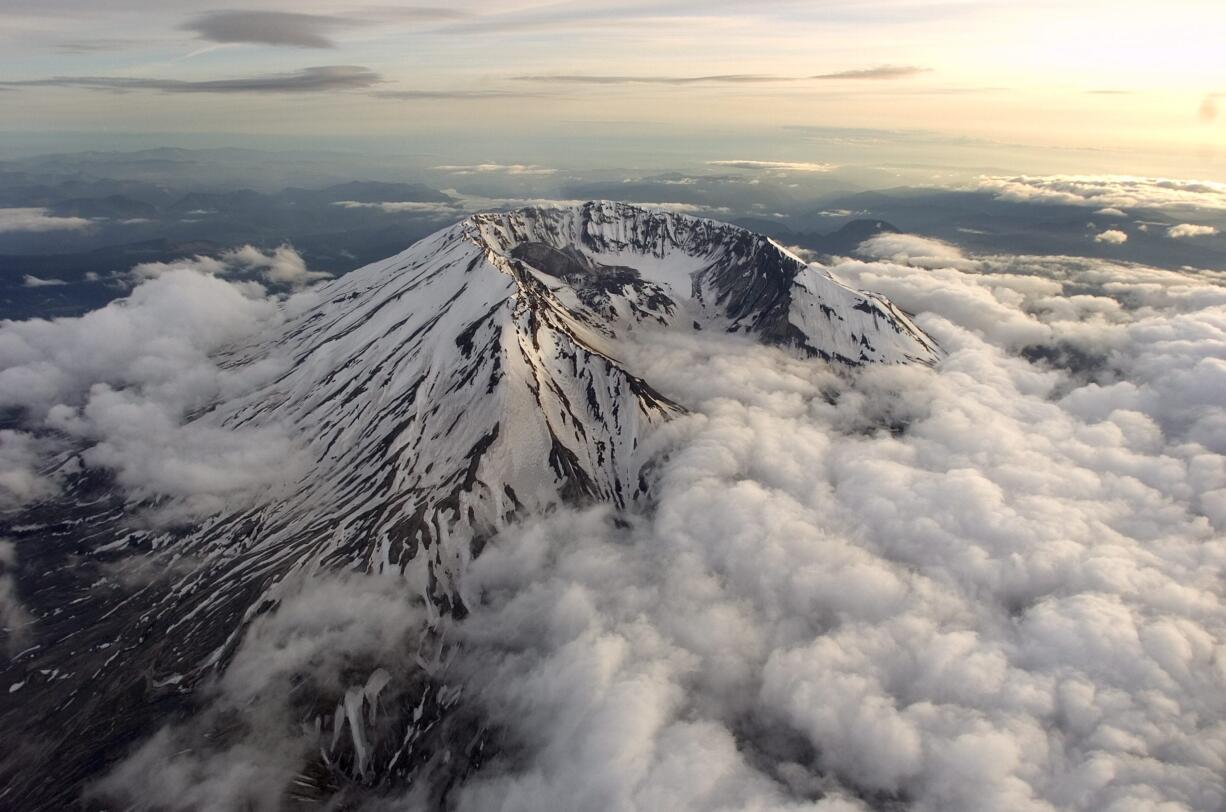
point(476, 374)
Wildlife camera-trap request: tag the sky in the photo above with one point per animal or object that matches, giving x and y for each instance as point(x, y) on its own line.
point(1121, 86)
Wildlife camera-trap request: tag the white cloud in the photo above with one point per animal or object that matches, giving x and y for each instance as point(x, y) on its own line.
point(1109, 191)
point(22, 480)
point(282, 266)
point(31, 281)
point(911, 249)
point(472, 203)
point(1111, 235)
point(33, 219)
point(13, 615)
point(993, 584)
point(779, 166)
point(121, 381)
point(402, 206)
point(508, 169)
point(197, 264)
point(1184, 230)
point(993, 610)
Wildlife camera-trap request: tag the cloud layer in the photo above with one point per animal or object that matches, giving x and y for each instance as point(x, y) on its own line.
point(115, 389)
point(991, 585)
point(325, 78)
point(268, 28)
point(35, 219)
point(493, 168)
point(1113, 191)
point(1185, 230)
point(880, 72)
point(783, 166)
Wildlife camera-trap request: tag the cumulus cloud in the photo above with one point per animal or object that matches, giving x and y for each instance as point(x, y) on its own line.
point(937, 618)
point(13, 615)
point(784, 166)
point(911, 249)
point(305, 650)
point(1110, 191)
point(992, 584)
point(31, 281)
point(1185, 230)
point(981, 611)
point(22, 475)
point(322, 79)
point(1112, 235)
point(34, 219)
point(283, 266)
point(117, 388)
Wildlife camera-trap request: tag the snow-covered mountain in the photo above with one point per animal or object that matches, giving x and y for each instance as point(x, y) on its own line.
point(472, 378)
point(477, 373)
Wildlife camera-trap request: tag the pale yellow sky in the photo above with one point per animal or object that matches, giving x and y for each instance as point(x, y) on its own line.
point(1118, 76)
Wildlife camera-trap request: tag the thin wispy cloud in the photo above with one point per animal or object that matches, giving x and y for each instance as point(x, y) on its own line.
point(306, 80)
point(1115, 191)
point(414, 13)
point(452, 95)
point(507, 169)
point(38, 219)
point(783, 166)
point(879, 72)
point(401, 207)
point(31, 281)
point(882, 72)
point(613, 79)
point(91, 46)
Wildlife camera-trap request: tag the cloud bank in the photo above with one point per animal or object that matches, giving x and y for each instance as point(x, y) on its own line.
point(613, 79)
point(325, 78)
point(880, 72)
point(991, 585)
point(1110, 191)
point(31, 281)
point(35, 219)
point(283, 266)
point(489, 168)
point(268, 28)
point(116, 389)
point(783, 166)
point(1185, 230)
